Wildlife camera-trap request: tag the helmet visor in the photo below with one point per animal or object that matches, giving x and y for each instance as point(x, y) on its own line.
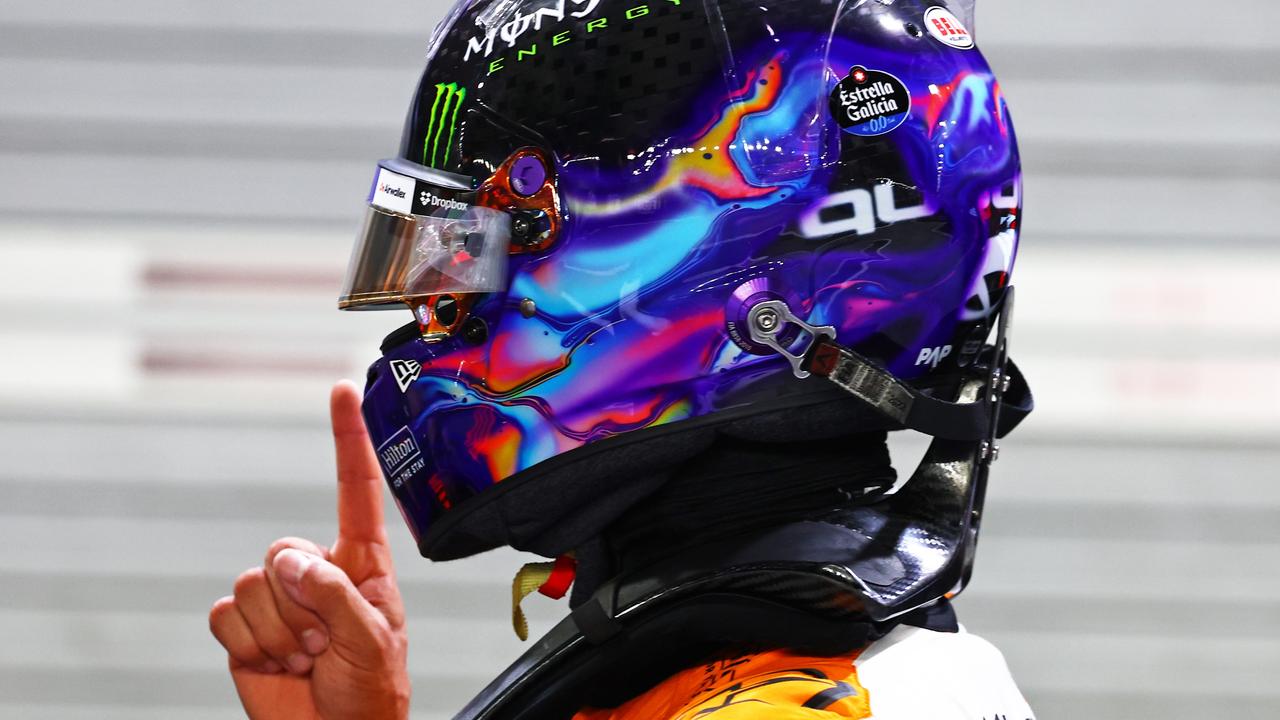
point(423, 236)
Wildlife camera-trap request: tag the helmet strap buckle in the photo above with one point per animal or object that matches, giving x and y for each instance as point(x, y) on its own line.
point(771, 319)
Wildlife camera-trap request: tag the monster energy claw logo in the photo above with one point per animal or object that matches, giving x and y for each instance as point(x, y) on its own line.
point(444, 113)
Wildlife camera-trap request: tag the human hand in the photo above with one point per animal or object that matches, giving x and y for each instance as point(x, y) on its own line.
point(316, 632)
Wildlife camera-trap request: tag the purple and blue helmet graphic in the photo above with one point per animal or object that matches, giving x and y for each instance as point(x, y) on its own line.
point(691, 191)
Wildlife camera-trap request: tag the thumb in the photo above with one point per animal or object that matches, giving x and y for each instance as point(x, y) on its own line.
point(325, 589)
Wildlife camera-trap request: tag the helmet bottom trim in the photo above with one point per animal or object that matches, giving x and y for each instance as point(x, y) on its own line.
point(562, 502)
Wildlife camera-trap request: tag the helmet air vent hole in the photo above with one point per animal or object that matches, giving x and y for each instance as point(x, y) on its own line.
point(447, 310)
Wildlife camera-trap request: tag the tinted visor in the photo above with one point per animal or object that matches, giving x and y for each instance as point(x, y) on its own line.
point(423, 236)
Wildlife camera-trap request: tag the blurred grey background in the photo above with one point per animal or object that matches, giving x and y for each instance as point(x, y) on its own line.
point(179, 186)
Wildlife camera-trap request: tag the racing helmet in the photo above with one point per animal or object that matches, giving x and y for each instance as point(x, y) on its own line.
point(624, 227)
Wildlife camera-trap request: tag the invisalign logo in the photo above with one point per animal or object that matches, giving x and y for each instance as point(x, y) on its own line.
point(444, 113)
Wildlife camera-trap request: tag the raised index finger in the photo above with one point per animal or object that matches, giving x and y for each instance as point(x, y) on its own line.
point(359, 474)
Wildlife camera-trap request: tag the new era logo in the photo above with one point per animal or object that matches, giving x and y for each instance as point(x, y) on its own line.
point(405, 372)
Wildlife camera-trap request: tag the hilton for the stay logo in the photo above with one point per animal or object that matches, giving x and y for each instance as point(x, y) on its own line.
point(870, 102)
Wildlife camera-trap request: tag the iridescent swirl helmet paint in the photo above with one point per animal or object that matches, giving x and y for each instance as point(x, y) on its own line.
point(623, 227)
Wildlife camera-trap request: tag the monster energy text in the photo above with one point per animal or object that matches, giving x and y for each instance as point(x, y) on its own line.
point(511, 31)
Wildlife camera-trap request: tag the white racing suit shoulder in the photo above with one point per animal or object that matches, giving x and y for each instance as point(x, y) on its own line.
point(917, 674)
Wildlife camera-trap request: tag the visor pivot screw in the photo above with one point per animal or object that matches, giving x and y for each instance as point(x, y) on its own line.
point(475, 331)
point(528, 308)
point(528, 175)
point(767, 320)
point(521, 228)
point(529, 228)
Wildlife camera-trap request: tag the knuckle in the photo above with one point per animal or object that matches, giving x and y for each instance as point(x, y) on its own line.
point(237, 645)
point(249, 580)
point(219, 613)
point(246, 652)
point(277, 546)
point(277, 642)
point(269, 635)
point(387, 644)
point(218, 626)
point(324, 585)
point(296, 617)
point(289, 543)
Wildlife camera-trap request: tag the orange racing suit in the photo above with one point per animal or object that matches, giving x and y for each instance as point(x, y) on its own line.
point(910, 674)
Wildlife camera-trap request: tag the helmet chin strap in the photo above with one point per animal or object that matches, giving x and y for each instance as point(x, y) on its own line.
point(814, 351)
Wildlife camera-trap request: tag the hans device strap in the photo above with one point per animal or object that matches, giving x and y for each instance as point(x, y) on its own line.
point(916, 409)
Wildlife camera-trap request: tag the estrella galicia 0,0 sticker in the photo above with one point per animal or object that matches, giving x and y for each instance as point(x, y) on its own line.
point(870, 102)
